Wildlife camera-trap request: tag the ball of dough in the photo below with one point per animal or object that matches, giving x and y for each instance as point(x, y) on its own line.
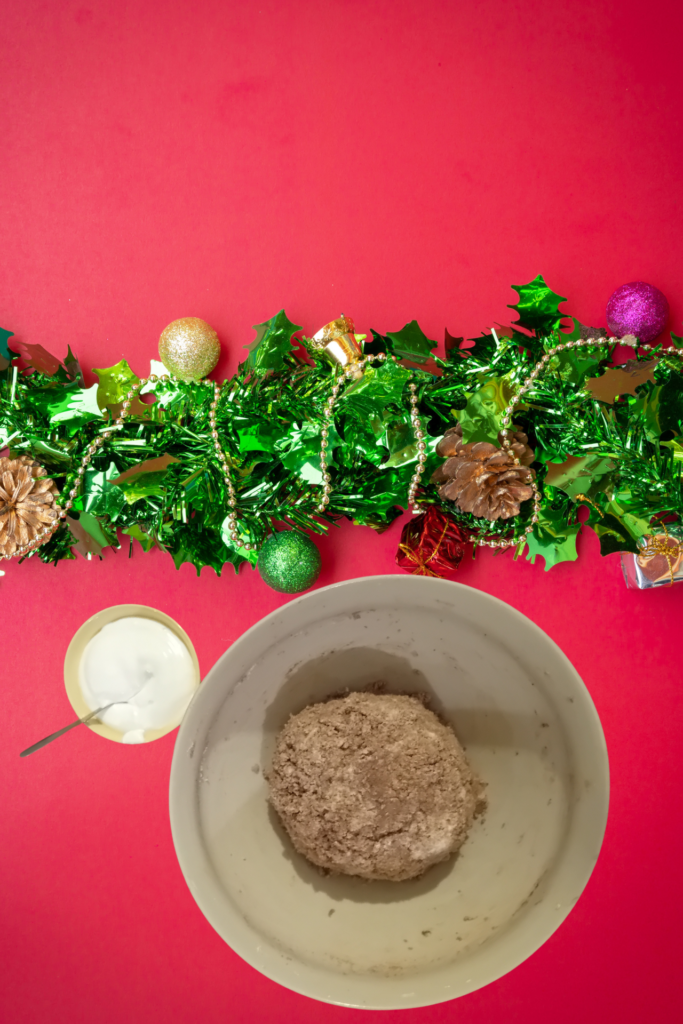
point(373, 785)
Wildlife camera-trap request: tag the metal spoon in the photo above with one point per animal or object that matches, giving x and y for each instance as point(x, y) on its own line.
point(79, 721)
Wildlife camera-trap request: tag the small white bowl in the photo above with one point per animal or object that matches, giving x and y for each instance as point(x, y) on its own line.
point(82, 638)
point(530, 730)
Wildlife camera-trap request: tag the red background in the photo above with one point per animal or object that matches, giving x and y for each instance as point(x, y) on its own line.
point(388, 158)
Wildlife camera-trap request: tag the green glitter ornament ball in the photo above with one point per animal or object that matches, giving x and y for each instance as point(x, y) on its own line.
point(289, 562)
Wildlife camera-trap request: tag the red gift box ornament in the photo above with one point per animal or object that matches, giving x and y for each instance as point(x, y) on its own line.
point(432, 544)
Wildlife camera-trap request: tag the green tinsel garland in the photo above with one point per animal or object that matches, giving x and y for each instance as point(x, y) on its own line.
point(624, 456)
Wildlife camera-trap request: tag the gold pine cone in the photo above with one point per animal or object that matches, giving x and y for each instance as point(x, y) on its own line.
point(483, 479)
point(27, 502)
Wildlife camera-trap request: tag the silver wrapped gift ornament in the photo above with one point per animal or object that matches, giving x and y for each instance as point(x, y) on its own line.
point(659, 563)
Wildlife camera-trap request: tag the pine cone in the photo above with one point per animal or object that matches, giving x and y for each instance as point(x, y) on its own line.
point(451, 444)
point(483, 479)
point(27, 502)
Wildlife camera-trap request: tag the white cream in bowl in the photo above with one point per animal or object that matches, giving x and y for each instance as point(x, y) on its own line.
point(143, 665)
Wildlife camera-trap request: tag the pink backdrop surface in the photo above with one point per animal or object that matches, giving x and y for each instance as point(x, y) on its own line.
point(398, 159)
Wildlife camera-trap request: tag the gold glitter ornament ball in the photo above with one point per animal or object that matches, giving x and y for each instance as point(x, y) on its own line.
point(189, 348)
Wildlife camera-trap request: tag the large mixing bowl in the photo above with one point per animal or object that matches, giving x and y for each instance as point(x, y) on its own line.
point(529, 728)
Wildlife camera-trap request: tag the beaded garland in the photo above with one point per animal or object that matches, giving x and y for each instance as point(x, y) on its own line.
point(496, 542)
point(289, 411)
point(525, 386)
point(415, 420)
point(45, 534)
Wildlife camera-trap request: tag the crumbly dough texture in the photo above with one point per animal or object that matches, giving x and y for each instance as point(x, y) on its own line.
point(373, 785)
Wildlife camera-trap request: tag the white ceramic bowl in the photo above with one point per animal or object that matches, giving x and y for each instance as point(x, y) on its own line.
point(530, 730)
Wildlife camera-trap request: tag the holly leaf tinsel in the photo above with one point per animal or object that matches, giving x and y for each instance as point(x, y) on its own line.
point(411, 343)
point(537, 306)
point(5, 354)
point(272, 343)
point(157, 481)
point(553, 538)
point(115, 382)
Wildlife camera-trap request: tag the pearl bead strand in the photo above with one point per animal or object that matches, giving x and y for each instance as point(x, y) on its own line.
point(92, 449)
point(417, 424)
point(325, 433)
point(526, 385)
point(225, 468)
point(421, 445)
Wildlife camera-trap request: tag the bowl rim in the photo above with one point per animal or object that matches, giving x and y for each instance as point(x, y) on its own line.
point(516, 946)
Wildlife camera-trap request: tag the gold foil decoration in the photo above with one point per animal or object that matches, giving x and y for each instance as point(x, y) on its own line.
point(621, 380)
point(586, 499)
point(339, 343)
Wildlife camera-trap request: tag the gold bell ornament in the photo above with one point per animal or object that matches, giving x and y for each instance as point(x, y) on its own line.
point(340, 345)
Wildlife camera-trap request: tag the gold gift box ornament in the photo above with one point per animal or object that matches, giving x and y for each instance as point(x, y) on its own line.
point(340, 345)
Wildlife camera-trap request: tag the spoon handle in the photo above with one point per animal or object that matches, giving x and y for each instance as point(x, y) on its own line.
point(60, 732)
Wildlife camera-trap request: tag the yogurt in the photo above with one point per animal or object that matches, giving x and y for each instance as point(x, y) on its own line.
point(143, 665)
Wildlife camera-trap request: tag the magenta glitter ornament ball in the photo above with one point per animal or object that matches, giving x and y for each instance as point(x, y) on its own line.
point(637, 308)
